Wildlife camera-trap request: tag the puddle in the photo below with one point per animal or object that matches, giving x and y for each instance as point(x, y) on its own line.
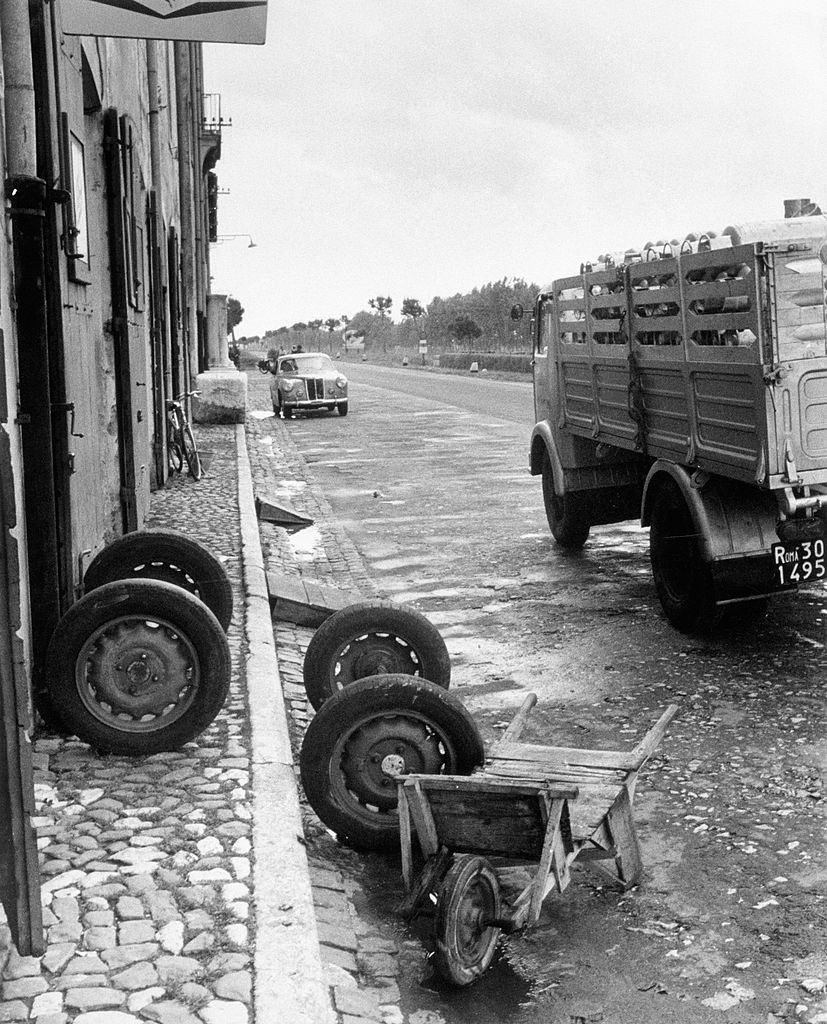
point(261, 414)
point(497, 996)
point(290, 488)
point(307, 543)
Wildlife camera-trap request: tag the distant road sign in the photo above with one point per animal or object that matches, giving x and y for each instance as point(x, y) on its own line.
point(423, 346)
point(209, 21)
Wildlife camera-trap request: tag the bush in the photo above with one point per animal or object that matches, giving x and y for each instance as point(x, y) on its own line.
point(512, 362)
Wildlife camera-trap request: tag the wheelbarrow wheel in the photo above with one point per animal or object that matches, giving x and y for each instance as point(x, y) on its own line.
point(168, 556)
point(138, 667)
point(468, 899)
point(373, 638)
point(369, 733)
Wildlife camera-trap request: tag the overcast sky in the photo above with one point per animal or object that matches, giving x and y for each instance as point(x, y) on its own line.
point(423, 147)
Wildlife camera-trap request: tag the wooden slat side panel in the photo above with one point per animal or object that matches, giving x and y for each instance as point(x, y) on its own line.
point(489, 823)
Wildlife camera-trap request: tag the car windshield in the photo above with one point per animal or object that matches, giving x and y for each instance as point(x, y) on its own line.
point(313, 362)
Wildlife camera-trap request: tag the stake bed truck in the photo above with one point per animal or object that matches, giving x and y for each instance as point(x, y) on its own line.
point(687, 385)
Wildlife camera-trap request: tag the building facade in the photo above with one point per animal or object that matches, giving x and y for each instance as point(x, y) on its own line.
point(104, 273)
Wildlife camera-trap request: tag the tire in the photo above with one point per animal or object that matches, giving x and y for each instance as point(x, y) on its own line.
point(683, 580)
point(115, 643)
point(174, 457)
point(170, 557)
point(567, 518)
point(370, 730)
point(465, 944)
point(191, 453)
point(342, 407)
point(288, 411)
point(373, 638)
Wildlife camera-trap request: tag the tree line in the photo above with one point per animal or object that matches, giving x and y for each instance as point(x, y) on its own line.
point(479, 319)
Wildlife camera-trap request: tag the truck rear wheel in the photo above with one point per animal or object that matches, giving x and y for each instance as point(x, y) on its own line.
point(567, 518)
point(683, 580)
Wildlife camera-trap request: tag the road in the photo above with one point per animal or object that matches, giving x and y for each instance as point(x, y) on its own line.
point(429, 476)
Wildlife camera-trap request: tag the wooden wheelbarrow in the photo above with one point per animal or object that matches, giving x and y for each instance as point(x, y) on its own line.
point(529, 804)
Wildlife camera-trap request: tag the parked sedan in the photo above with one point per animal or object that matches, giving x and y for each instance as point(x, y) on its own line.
point(307, 380)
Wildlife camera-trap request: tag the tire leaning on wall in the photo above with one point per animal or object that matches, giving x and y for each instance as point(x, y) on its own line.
point(138, 667)
point(170, 557)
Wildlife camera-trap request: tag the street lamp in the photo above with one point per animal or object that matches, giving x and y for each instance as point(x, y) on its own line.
point(226, 238)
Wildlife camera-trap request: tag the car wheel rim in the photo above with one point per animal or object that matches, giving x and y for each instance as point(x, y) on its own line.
point(137, 674)
point(373, 654)
point(370, 756)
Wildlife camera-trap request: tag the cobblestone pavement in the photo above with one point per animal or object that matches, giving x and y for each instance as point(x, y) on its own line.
point(146, 861)
point(361, 960)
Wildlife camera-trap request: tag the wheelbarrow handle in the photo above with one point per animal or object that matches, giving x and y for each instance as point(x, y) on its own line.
point(518, 723)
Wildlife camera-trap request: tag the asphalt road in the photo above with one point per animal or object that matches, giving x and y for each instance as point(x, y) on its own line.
point(429, 475)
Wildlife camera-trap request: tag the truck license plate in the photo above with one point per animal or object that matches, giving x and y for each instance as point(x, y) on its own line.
point(799, 563)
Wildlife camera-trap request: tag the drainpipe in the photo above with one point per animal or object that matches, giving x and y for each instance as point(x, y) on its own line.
point(162, 344)
point(190, 296)
point(27, 196)
point(198, 201)
point(18, 107)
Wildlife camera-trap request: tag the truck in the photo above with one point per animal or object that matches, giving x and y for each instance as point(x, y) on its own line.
point(686, 384)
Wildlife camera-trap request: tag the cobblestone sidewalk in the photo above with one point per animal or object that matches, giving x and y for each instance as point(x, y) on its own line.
point(146, 862)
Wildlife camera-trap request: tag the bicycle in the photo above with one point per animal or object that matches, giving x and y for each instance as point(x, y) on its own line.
point(180, 442)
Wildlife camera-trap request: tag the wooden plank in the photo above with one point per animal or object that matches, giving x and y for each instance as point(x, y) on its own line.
point(621, 824)
point(304, 602)
point(424, 822)
point(518, 723)
point(566, 756)
point(652, 740)
point(555, 809)
point(405, 836)
point(492, 823)
point(482, 782)
point(555, 774)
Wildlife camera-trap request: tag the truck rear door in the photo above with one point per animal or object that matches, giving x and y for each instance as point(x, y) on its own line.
point(797, 284)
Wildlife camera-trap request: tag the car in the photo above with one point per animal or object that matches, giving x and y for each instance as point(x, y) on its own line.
point(304, 381)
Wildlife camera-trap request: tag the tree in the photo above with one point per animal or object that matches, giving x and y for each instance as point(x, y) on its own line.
point(235, 311)
point(465, 329)
point(299, 326)
point(382, 304)
point(412, 308)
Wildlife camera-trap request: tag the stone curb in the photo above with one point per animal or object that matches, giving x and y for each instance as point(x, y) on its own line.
point(289, 978)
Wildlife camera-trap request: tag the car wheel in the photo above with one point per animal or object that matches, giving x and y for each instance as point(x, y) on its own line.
point(373, 638)
point(343, 408)
point(138, 667)
point(368, 734)
point(170, 557)
point(288, 411)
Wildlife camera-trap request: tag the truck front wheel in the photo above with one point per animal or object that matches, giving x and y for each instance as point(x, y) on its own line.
point(566, 514)
point(682, 578)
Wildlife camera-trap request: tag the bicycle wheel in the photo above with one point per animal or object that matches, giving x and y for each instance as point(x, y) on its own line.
point(176, 459)
point(191, 452)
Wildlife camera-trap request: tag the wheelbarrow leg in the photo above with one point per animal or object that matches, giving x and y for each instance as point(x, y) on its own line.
point(616, 840)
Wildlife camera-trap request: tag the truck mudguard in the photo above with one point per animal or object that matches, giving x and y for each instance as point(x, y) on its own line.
point(542, 440)
point(733, 520)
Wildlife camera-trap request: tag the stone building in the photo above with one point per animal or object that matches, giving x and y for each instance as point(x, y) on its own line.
point(104, 273)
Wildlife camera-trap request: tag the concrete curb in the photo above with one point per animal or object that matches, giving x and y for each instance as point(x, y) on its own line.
point(289, 979)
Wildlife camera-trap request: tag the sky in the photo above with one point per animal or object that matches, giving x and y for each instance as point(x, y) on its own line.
point(416, 148)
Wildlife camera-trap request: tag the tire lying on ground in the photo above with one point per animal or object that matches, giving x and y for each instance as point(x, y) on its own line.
point(138, 667)
point(168, 556)
point(373, 638)
point(367, 734)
